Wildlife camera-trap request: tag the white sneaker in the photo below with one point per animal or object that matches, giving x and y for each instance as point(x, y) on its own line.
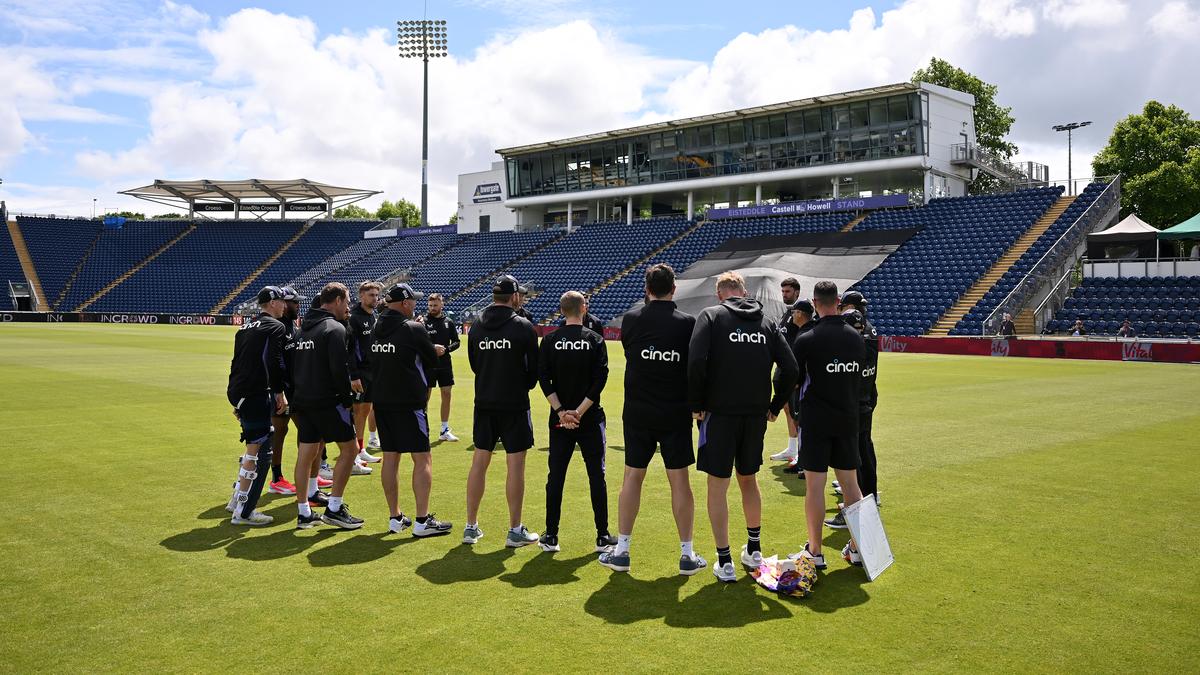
point(725, 573)
point(256, 519)
point(851, 555)
point(326, 471)
point(785, 455)
point(818, 561)
point(367, 458)
point(751, 559)
point(448, 436)
point(398, 525)
point(360, 469)
point(837, 488)
point(373, 442)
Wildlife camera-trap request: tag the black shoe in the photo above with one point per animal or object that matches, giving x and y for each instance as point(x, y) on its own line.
point(796, 469)
point(319, 499)
point(432, 527)
point(304, 522)
point(605, 542)
point(549, 543)
point(341, 518)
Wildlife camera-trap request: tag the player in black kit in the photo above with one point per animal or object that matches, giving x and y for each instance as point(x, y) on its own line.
point(444, 334)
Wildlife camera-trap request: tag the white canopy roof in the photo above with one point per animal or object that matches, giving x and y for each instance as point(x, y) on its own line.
point(244, 194)
point(1130, 228)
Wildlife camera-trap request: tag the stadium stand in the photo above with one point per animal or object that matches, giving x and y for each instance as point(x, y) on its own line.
point(1157, 307)
point(116, 251)
point(621, 293)
point(475, 260)
point(57, 247)
point(360, 249)
point(309, 250)
point(972, 323)
point(200, 269)
point(395, 253)
point(10, 265)
point(960, 239)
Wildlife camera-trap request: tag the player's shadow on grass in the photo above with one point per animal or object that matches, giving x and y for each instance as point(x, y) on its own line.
point(462, 563)
point(214, 513)
point(792, 483)
point(204, 538)
point(838, 589)
point(546, 569)
point(357, 549)
point(625, 600)
point(279, 544)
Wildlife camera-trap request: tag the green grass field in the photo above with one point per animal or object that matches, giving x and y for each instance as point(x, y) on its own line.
point(1042, 513)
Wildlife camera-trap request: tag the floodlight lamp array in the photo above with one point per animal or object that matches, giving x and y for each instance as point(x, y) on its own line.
point(422, 39)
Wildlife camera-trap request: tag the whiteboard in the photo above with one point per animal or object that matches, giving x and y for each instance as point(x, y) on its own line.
point(862, 517)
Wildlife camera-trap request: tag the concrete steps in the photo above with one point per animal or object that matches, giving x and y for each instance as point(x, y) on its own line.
point(852, 224)
point(217, 308)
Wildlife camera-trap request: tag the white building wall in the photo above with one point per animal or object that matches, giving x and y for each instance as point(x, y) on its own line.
point(948, 115)
point(482, 194)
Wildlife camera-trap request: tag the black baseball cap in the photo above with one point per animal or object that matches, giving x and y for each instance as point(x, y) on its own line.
point(506, 284)
point(803, 306)
point(270, 293)
point(854, 298)
point(402, 292)
point(856, 320)
point(291, 295)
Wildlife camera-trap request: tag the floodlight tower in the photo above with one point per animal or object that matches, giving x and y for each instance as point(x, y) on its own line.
point(423, 39)
point(1069, 127)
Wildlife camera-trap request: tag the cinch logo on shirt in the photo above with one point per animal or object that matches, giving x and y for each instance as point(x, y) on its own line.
point(252, 324)
point(847, 367)
point(366, 331)
point(502, 343)
point(573, 345)
point(868, 372)
point(652, 354)
point(305, 344)
point(383, 348)
point(753, 338)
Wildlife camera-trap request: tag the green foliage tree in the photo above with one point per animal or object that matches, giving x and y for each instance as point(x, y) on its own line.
point(1157, 153)
point(992, 121)
point(127, 215)
point(168, 216)
point(401, 208)
point(353, 212)
point(453, 218)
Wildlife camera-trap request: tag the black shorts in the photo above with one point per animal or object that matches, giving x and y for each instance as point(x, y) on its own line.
point(402, 430)
point(254, 413)
point(441, 377)
point(676, 445)
point(332, 424)
point(821, 451)
point(365, 395)
point(512, 427)
point(728, 441)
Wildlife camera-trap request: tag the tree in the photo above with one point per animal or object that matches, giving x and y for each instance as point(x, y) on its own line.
point(168, 216)
point(1157, 154)
point(127, 215)
point(992, 121)
point(353, 212)
point(401, 208)
point(453, 218)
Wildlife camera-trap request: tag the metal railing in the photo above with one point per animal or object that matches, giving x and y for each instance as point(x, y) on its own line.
point(1025, 174)
point(1048, 266)
point(1054, 300)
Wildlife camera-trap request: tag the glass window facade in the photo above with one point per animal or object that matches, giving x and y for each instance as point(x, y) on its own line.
point(863, 130)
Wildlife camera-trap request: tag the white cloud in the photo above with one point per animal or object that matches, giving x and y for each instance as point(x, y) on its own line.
point(1176, 19)
point(1085, 13)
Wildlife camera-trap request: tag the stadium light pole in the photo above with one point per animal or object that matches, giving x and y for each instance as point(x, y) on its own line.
point(1069, 127)
point(423, 39)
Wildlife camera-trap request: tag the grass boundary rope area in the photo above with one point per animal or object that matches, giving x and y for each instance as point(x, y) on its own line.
point(1042, 514)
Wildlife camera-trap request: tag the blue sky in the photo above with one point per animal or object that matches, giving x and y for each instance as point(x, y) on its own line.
point(98, 97)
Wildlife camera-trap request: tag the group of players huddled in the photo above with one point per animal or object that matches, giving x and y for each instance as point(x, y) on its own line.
point(732, 370)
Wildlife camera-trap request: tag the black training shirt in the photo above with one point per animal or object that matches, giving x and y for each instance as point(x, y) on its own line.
point(401, 358)
point(574, 364)
point(442, 331)
point(502, 349)
point(832, 357)
point(358, 332)
point(257, 365)
point(655, 337)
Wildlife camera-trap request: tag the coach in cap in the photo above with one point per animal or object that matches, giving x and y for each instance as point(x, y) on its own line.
point(280, 485)
point(502, 349)
point(522, 292)
point(256, 392)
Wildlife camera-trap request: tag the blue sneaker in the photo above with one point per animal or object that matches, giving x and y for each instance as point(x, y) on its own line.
point(617, 562)
point(520, 537)
point(472, 534)
point(689, 566)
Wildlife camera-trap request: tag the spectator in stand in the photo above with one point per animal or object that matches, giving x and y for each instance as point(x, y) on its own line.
point(1007, 327)
point(1127, 330)
point(1078, 329)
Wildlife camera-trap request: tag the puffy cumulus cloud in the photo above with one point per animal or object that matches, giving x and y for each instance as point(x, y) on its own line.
point(30, 94)
point(1176, 19)
point(283, 102)
point(1085, 13)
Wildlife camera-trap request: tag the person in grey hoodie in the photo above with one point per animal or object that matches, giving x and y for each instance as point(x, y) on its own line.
point(730, 360)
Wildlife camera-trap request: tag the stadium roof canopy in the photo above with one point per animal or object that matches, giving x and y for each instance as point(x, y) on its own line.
point(256, 196)
point(844, 97)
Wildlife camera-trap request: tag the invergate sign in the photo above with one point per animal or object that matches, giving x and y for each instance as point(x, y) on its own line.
point(811, 206)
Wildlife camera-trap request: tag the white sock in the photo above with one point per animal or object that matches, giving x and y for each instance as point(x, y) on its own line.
point(335, 503)
point(793, 444)
point(685, 548)
point(312, 486)
point(304, 509)
point(374, 436)
point(518, 528)
point(623, 543)
point(445, 426)
point(470, 525)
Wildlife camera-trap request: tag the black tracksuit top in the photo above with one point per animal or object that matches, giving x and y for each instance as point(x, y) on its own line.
point(442, 331)
point(322, 371)
point(359, 336)
point(868, 395)
point(503, 351)
point(257, 365)
point(402, 357)
point(574, 365)
point(289, 351)
point(832, 357)
point(655, 337)
point(730, 359)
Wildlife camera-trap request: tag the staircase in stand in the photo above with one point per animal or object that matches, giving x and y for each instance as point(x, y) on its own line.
point(133, 270)
point(18, 240)
point(984, 284)
point(854, 223)
point(75, 272)
point(217, 308)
